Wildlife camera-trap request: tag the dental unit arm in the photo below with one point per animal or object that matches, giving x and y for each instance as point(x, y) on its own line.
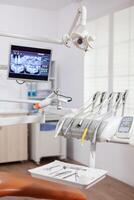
point(78, 35)
point(54, 96)
point(38, 107)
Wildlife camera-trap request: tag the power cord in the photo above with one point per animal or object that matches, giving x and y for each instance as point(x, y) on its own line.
point(20, 82)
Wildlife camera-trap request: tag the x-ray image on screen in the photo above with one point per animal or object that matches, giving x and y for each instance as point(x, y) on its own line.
point(29, 63)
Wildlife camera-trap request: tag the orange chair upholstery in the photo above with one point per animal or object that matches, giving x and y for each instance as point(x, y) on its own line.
point(13, 184)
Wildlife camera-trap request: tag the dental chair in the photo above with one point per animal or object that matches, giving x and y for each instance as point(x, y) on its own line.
point(13, 184)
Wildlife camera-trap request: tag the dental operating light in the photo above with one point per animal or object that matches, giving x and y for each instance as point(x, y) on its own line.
point(77, 35)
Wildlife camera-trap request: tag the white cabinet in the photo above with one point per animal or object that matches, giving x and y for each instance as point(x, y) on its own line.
point(43, 142)
point(13, 143)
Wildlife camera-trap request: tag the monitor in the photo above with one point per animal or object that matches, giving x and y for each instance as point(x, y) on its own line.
point(28, 63)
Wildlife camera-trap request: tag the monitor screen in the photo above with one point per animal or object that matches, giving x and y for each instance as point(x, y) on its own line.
point(29, 63)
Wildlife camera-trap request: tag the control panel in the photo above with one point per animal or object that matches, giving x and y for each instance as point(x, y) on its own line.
point(125, 127)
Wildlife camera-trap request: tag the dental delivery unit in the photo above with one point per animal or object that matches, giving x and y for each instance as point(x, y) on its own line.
point(101, 119)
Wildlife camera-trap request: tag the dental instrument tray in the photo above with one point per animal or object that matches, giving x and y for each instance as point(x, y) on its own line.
point(65, 173)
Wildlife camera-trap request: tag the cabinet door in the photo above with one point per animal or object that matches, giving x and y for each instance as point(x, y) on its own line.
point(3, 145)
point(49, 145)
point(13, 143)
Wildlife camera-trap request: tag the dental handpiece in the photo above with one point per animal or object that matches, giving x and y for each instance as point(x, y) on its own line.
point(95, 98)
point(110, 101)
point(69, 126)
point(85, 132)
point(124, 98)
point(59, 127)
point(44, 102)
point(117, 102)
point(102, 99)
point(106, 115)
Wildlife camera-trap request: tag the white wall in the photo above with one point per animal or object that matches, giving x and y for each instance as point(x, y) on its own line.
point(26, 21)
point(23, 21)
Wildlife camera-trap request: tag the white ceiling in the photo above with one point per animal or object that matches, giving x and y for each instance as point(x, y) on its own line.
point(58, 4)
point(97, 8)
point(43, 4)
